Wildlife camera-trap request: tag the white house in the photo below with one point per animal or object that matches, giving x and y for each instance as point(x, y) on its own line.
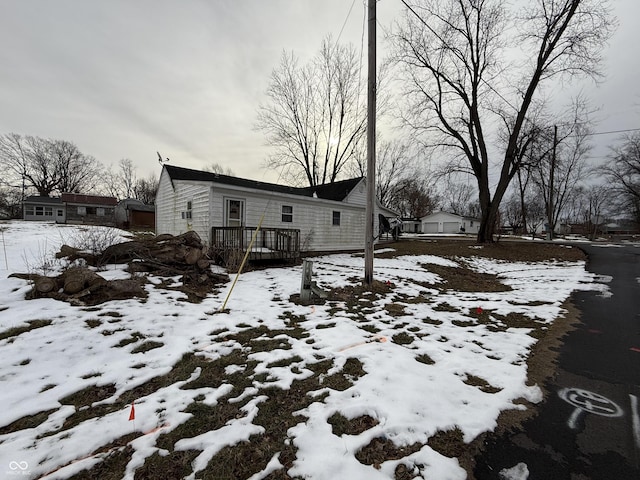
point(328, 217)
point(443, 222)
point(411, 225)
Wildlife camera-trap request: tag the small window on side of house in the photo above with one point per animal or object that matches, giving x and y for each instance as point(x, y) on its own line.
point(100, 211)
point(287, 213)
point(30, 210)
point(82, 210)
point(336, 218)
point(188, 214)
point(60, 212)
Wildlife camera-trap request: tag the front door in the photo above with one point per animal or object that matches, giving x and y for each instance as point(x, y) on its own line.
point(234, 212)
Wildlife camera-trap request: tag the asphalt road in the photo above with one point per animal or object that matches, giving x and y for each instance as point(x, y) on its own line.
point(589, 426)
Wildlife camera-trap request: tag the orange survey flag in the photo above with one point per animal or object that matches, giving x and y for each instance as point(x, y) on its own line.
point(132, 414)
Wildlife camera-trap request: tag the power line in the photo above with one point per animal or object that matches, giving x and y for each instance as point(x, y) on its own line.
point(345, 21)
point(613, 131)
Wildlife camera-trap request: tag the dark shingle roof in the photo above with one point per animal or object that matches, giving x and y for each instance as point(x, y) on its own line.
point(331, 191)
point(47, 200)
point(89, 199)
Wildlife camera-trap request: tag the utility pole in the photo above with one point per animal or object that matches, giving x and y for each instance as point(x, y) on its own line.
point(371, 145)
point(550, 205)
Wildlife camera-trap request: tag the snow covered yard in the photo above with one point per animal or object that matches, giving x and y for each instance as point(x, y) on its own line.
point(384, 385)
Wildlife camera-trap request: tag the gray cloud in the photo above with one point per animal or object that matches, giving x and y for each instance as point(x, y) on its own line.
point(126, 78)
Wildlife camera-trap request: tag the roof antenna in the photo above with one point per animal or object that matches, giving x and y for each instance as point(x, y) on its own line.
point(161, 161)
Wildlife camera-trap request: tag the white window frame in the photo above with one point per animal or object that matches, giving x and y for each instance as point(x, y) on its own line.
point(229, 222)
point(287, 216)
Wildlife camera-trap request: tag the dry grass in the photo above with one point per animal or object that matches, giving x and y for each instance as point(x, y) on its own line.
point(280, 411)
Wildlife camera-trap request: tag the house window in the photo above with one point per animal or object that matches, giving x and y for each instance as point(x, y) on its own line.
point(234, 212)
point(100, 212)
point(471, 223)
point(60, 212)
point(336, 218)
point(82, 210)
point(189, 213)
point(48, 211)
point(92, 210)
point(39, 211)
point(29, 210)
point(287, 213)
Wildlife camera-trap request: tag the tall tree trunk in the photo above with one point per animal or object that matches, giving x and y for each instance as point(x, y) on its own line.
point(485, 233)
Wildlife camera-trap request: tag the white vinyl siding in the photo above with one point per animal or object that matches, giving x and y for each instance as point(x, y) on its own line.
point(171, 203)
point(312, 216)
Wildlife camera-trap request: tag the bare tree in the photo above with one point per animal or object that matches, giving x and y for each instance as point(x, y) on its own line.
point(459, 83)
point(535, 213)
point(122, 183)
point(511, 213)
point(413, 197)
point(27, 160)
point(315, 117)
point(563, 166)
point(46, 165)
point(394, 164)
point(76, 171)
point(598, 201)
point(145, 190)
point(623, 173)
point(457, 198)
point(215, 167)
point(10, 202)
point(15, 160)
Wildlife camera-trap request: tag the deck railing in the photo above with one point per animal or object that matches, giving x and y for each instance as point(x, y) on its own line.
point(270, 243)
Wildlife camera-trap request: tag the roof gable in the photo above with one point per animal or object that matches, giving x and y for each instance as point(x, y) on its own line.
point(337, 191)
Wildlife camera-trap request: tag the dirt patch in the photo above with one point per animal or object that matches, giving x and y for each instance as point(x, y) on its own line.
point(465, 280)
point(513, 251)
point(382, 449)
point(340, 425)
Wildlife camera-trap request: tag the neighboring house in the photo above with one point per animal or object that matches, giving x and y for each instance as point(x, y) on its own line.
point(443, 222)
point(89, 209)
point(133, 214)
point(411, 225)
point(71, 208)
point(45, 209)
point(323, 218)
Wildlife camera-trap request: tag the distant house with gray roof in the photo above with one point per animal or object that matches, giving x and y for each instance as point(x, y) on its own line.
point(71, 208)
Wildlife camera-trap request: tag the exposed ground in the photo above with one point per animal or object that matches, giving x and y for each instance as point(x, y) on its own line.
point(248, 382)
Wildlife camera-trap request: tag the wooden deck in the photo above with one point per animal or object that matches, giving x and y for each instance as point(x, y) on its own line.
point(270, 244)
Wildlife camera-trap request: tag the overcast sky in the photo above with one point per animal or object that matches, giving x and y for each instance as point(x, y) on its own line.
point(127, 78)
